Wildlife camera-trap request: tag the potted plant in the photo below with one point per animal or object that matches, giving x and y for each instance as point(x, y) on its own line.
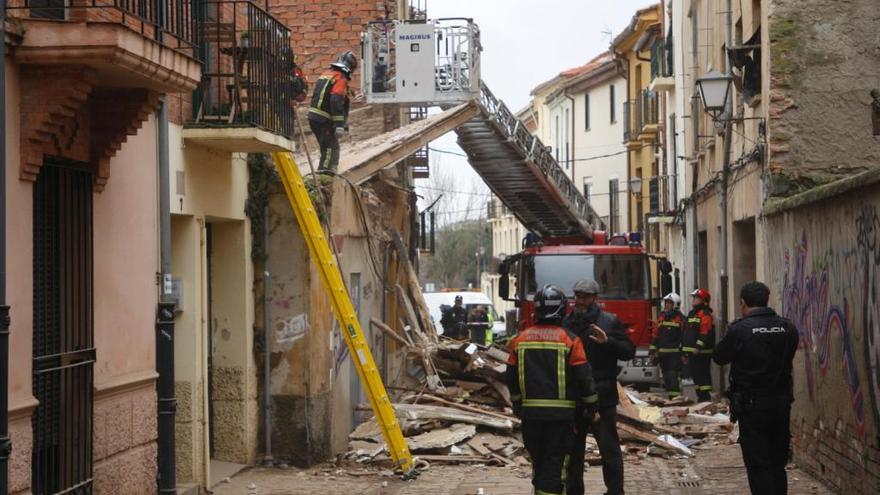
point(245, 39)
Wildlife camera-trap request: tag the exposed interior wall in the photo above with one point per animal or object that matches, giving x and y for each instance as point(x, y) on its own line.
point(822, 75)
point(824, 274)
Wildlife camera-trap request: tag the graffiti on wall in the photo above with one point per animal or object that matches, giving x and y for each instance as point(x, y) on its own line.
point(809, 299)
point(868, 242)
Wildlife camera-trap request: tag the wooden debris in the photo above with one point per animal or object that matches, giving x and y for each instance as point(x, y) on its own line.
point(421, 411)
point(438, 439)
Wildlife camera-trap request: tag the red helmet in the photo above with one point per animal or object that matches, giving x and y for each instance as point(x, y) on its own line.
point(702, 294)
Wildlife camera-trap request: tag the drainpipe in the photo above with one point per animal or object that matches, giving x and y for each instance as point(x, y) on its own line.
point(5, 442)
point(165, 320)
point(268, 460)
point(725, 178)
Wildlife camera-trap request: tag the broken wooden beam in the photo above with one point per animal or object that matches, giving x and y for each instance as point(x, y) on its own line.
point(389, 332)
point(422, 411)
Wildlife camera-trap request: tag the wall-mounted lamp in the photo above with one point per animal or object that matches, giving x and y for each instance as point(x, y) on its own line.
point(714, 89)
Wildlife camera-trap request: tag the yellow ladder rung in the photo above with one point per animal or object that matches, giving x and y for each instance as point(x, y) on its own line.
point(349, 324)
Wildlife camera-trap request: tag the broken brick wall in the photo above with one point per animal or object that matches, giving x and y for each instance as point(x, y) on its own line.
point(824, 274)
point(823, 63)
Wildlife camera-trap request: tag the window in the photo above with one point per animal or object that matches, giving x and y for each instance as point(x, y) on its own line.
point(557, 138)
point(612, 101)
point(586, 111)
point(622, 277)
point(567, 163)
point(588, 191)
point(614, 205)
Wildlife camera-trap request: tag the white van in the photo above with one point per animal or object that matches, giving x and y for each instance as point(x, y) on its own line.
point(469, 299)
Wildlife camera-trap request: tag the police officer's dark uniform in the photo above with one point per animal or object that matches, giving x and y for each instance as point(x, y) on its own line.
point(667, 346)
point(698, 342)
point(480, 328)
point(454, 320)
point(549, 380)
point(603, 360)
point(760, 348)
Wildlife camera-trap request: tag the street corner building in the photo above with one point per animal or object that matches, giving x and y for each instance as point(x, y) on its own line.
point(83, 86)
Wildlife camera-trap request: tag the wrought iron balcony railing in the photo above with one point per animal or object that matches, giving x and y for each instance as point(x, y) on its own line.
point(167, 21)
point(632, 111)
point(248, 63)
point(649, 109)
point(661, 58)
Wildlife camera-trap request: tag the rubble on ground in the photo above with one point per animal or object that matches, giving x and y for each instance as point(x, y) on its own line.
point(460, 412)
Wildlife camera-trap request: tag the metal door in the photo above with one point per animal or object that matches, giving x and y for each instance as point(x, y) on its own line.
point(63, 333)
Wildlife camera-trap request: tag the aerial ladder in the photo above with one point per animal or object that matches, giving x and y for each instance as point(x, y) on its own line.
point(310, 225)
point(437, 63)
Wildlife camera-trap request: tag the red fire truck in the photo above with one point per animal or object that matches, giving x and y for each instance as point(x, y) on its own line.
point(619, 264)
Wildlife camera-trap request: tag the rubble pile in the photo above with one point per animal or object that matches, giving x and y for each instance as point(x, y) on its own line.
point(461, 413)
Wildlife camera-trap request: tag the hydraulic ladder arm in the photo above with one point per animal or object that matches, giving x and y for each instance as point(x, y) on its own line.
point(344, 309)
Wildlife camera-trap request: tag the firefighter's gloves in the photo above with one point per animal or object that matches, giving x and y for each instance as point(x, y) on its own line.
point(341, 131)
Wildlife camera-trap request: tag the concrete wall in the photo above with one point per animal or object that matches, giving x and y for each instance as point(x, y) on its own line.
point(209, 190)
point(126, 258)
point(19, 268)
point(824, 273)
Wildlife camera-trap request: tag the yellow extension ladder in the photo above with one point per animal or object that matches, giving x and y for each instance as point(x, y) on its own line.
point(310, 226)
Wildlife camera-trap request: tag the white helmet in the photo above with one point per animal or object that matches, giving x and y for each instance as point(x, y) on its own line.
point(672, 296)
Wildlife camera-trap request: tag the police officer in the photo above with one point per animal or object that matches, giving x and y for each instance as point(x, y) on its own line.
point(550, 382)
point(454, 320)
point(480, 326)
point(698, 341)
point(666, 346)
point(760, 347)
point(605, 342)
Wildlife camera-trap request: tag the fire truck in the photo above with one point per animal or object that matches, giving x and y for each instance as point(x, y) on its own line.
point(619, 263)
point(437, 63)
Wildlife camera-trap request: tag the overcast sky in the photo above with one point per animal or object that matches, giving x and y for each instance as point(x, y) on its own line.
point(525, 42)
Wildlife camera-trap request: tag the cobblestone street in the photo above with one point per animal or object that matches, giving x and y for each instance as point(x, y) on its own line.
point(717, 470)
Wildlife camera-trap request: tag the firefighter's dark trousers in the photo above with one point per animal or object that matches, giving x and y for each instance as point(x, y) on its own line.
point(549, 444)
point(605, 432)
point(701, 366)
point(764, 437)
point(325, 133)
point(670, 368)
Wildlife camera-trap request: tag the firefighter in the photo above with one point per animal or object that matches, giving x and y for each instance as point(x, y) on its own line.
point(605, 343)
point(550, 382)
point(698, 341)
point(454, 320)
point(328, 115)
point(760, 347)
point(480, 326)
point(666, 346)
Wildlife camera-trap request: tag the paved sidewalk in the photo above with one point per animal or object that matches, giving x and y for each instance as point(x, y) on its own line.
point(716, 470)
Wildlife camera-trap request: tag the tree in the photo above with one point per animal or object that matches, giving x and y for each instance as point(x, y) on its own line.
point(454, 262)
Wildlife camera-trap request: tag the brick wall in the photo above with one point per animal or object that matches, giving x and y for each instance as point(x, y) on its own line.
point(321, 30)
point(824, 273)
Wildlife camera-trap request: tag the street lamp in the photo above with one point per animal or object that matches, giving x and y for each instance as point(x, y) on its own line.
point(714, 88)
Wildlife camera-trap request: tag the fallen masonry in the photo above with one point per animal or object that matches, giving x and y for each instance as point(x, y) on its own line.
point(459, 412)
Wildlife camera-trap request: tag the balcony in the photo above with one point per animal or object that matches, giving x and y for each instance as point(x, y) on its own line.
point(631, 124)
point(649, 115)
point(243, 102)
point(662, 78)
point(125, 43)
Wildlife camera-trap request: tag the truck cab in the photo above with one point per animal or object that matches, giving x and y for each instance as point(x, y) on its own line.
point(620, 267)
